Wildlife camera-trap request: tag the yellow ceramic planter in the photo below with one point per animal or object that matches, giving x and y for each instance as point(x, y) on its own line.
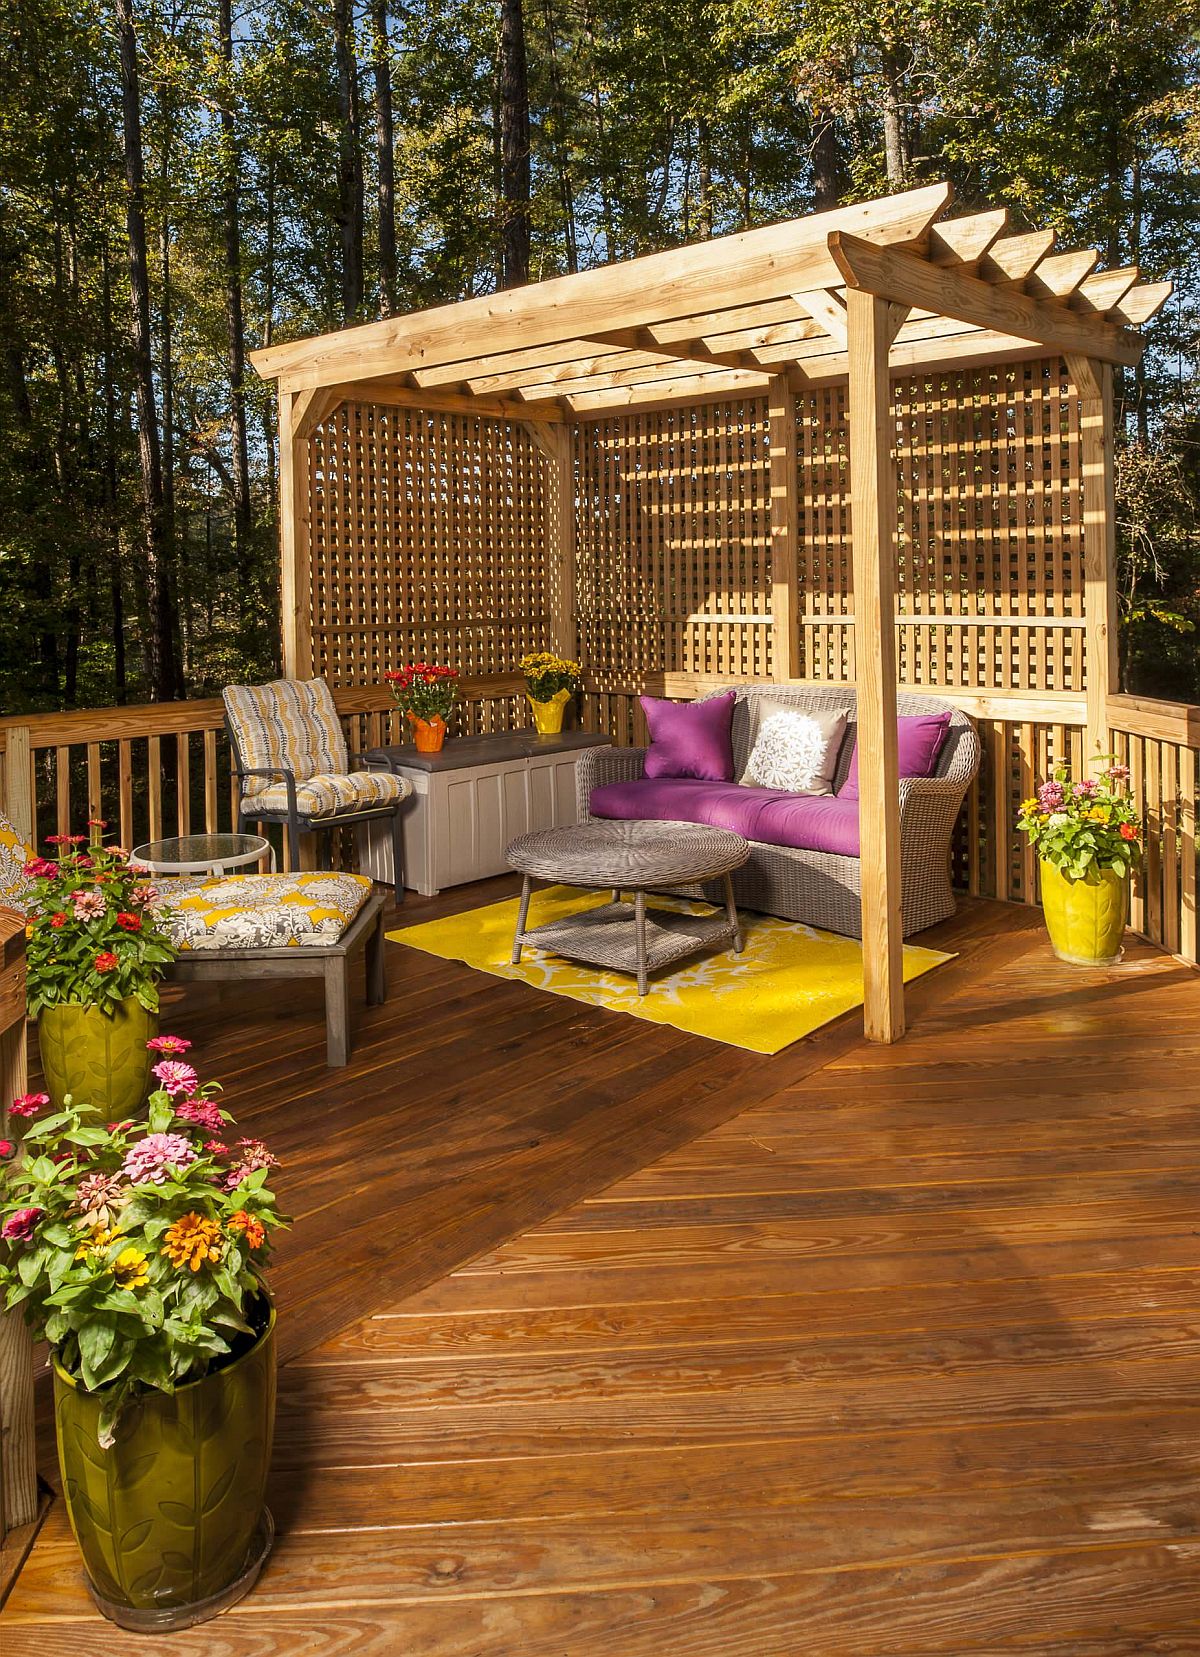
point(1085, 918)
point(548, 716)
point(98, 1058)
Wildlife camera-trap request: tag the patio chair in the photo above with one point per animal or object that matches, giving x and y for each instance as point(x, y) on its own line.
point(293, 766)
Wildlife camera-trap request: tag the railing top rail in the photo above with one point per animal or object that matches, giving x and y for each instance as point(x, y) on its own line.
point(130, 720)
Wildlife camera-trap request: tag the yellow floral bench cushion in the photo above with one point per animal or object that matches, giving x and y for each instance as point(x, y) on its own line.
point(261, 911)
point(15, 886)
point(322, 796)
point(290, 724)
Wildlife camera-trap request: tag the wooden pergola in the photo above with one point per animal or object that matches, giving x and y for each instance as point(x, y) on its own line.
point(841, 305)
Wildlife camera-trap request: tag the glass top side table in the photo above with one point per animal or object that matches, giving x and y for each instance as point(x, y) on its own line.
point(202, 854)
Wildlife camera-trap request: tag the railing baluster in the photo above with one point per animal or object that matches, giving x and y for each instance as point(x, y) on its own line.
point(183, 783)
point(94, 783)
point(154, 786)
point(210, 781)
point(125, 792)
point(62, 789)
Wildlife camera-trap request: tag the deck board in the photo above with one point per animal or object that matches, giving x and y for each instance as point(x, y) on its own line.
point(663, 1347)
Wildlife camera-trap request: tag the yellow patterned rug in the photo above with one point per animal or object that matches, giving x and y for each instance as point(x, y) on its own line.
point(788, 981)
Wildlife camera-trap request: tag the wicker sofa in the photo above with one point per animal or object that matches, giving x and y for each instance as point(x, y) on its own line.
point(823, 888)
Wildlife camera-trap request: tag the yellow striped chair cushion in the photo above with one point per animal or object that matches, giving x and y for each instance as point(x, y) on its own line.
point(323, 796)
point(260, 911)
point(291, 724)
point(15, 887)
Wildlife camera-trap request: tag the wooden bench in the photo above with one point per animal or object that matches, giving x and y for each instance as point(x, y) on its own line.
point(331, 962)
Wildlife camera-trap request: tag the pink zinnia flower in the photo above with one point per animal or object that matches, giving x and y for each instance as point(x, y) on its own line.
point(1086, 787)
point(39, 868)
point(167, 1044)
point(252, 1155)
point(28, 1104)
point(1119, 773)
point(149, 1161)
point(7, 1149)
point(142, 895)
point(177, 1079)
point(202, 1112)
point(99, 1196)
point(88, 905)
point(19, 1227)
point(215, 1147)
point(1050, 796)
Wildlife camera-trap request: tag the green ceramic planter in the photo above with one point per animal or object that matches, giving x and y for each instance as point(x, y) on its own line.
point(99, 1059)
point(170, 1520)
point(1085, 918)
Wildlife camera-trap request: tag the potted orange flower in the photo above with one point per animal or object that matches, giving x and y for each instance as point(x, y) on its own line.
point(425, 694)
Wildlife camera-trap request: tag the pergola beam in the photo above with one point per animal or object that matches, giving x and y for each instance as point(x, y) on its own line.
point(753, 266)
point(891, 273)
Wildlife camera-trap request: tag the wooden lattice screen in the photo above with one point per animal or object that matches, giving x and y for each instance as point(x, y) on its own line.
point(428, 542)
point(673, 536)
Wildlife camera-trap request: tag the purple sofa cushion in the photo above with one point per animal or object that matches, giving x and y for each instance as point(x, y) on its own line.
point(690, 739)
point(806, 822)
point(920, 737)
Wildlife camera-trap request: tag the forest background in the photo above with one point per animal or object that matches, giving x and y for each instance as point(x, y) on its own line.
point(184, 180)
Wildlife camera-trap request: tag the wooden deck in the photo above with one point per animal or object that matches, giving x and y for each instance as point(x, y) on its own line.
point(606, 1341)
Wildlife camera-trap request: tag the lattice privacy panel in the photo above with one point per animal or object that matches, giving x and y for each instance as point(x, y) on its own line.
point(674, 536)
point(428, 543)
point(991, 529)
point(673, 551)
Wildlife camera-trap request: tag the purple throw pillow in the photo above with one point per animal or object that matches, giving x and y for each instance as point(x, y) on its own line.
point(920, 738)
point(690, 739)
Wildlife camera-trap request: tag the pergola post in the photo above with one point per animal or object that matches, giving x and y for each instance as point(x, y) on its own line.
point(555, 442)
point(785, 483)
point(295, 574)
point(873, 488)
point(1094, 382)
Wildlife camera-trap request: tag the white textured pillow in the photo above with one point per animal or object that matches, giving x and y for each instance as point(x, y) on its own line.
point(794, 749)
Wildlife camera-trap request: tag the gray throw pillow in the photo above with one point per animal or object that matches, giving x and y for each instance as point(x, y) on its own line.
point(795, 748)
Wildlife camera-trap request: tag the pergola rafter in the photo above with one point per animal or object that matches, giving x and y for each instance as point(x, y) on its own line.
point(861, 296)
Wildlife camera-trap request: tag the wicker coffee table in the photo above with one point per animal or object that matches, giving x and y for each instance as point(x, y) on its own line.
point(629, 857)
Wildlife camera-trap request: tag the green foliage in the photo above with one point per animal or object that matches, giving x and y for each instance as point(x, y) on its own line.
point(136, 1249)
point(93, 937)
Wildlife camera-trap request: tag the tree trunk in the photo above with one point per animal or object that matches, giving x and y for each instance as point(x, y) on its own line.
point(381, 58)
point(350, 175)
point(897, 139)
point(159, 664)
point(235, 326)
point(826, 166)
point(514, 144)
point(116, 590)
point(704, 181)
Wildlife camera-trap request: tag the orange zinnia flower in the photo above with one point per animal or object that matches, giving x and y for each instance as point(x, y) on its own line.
point(191, 1241)
point(253, 1230)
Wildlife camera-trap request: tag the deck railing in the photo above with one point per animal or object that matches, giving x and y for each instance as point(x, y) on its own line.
point(164, 769)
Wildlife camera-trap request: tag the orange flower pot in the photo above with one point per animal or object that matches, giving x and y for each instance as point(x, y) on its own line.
point(428, 734)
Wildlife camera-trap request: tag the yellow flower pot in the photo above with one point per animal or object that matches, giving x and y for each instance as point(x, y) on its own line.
point(548, 716)
point(98, 1058)
point(1085, 918)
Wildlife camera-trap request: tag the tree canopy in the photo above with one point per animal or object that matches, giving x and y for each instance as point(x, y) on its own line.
point(184, 180)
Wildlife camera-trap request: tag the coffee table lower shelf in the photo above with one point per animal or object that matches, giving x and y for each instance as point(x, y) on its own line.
point(609, 937)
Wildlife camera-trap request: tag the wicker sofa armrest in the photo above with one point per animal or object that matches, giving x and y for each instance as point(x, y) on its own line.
point(598, 766)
